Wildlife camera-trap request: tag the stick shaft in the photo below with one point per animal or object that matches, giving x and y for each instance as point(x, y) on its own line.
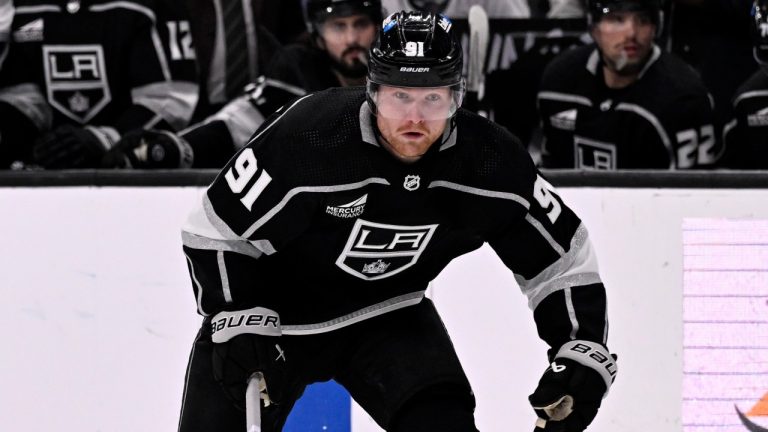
point(253, 403)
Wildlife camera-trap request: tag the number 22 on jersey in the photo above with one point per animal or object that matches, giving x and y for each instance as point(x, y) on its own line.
point(241, 174)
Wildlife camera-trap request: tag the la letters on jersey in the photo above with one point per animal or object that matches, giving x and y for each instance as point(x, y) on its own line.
point(76, 80)
point(376, 251)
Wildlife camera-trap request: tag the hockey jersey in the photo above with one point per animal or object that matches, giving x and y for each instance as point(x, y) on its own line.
point(663, 120)
point(100, 62)
point(746, 136)
point(315, 220)
point(295, 70)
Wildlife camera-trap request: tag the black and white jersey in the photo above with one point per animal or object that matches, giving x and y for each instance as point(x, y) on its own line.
point(746, 136)
point(315, 220)
point(215, 139)
point(294, 71)
point(98, 62)
point(664, 120)
point(303, 66)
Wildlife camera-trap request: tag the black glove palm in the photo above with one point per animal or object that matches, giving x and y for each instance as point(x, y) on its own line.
point(71, 146)
point(148, 149)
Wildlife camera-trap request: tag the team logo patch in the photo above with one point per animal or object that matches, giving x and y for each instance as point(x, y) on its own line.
point(565, 120)
point(76, 80)
point(29, 32)
point(349, 210)
point(376, 251)
point(388, 23)
point(758, 119)
point(594, 155)
point(411, 182)
point(445, 23)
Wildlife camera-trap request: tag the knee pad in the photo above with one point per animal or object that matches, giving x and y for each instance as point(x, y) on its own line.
point(444, 408)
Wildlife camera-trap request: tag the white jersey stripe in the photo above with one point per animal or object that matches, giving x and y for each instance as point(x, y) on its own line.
point(312, 189)
point(564, 97)
point(199, 293)
point(224, 278)
point(654, 121)
point(482, 192)
point(544, 233)
point(243, 247)
point(571, 312)
point(749, 94)
point(37, 9)
point(124, 5)
point(576, 267)
point(381, 308)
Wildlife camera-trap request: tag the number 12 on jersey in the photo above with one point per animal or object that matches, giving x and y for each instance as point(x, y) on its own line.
point(241, 174)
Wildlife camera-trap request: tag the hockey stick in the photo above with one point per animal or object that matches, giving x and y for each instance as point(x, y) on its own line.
point(557, 411)
point(253, 402)
point(478, 48)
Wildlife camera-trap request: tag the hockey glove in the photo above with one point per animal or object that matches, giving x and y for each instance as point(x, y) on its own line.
point(74, 147)
point(147, 149)
point(245, 342)
point(573, 386)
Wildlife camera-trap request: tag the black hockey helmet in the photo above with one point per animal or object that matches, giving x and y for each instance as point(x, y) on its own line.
point(598, 8)
point(416, 49)
point(759, 29)
point(320, 10)
point(433, 6)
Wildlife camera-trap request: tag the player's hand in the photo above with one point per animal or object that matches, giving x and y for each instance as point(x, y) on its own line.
point(148, 149)
point(570, 391)
point(71, 146)
point(245, 342)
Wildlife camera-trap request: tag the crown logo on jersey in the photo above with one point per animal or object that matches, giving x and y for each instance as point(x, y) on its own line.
point(412, 182)
point(79, 103)
point(377, 267)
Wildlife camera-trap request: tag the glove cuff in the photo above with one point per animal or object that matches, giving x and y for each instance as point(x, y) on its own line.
point(592, 355)
point(257, 320)
point(186, 154)
point(105, 135)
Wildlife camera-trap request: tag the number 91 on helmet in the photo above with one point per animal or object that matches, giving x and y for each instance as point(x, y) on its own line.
point(415, 68)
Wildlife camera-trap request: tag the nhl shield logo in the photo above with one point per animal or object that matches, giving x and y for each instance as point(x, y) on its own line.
point(376, 251)
point(411, 182)
point(76, 80)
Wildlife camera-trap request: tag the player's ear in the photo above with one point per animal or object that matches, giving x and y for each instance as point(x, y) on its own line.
point(320, 41)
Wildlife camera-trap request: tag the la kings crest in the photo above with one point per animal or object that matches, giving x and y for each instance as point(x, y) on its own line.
point(377, 251)
point(76, 80)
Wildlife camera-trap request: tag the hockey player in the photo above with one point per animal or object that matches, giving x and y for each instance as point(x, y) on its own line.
point(622, 102)
point(82, 72)
point(342, 31)
point(746, 136)
point(311, 251)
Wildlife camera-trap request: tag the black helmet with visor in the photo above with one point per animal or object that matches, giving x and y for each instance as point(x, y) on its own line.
point(417, 50)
